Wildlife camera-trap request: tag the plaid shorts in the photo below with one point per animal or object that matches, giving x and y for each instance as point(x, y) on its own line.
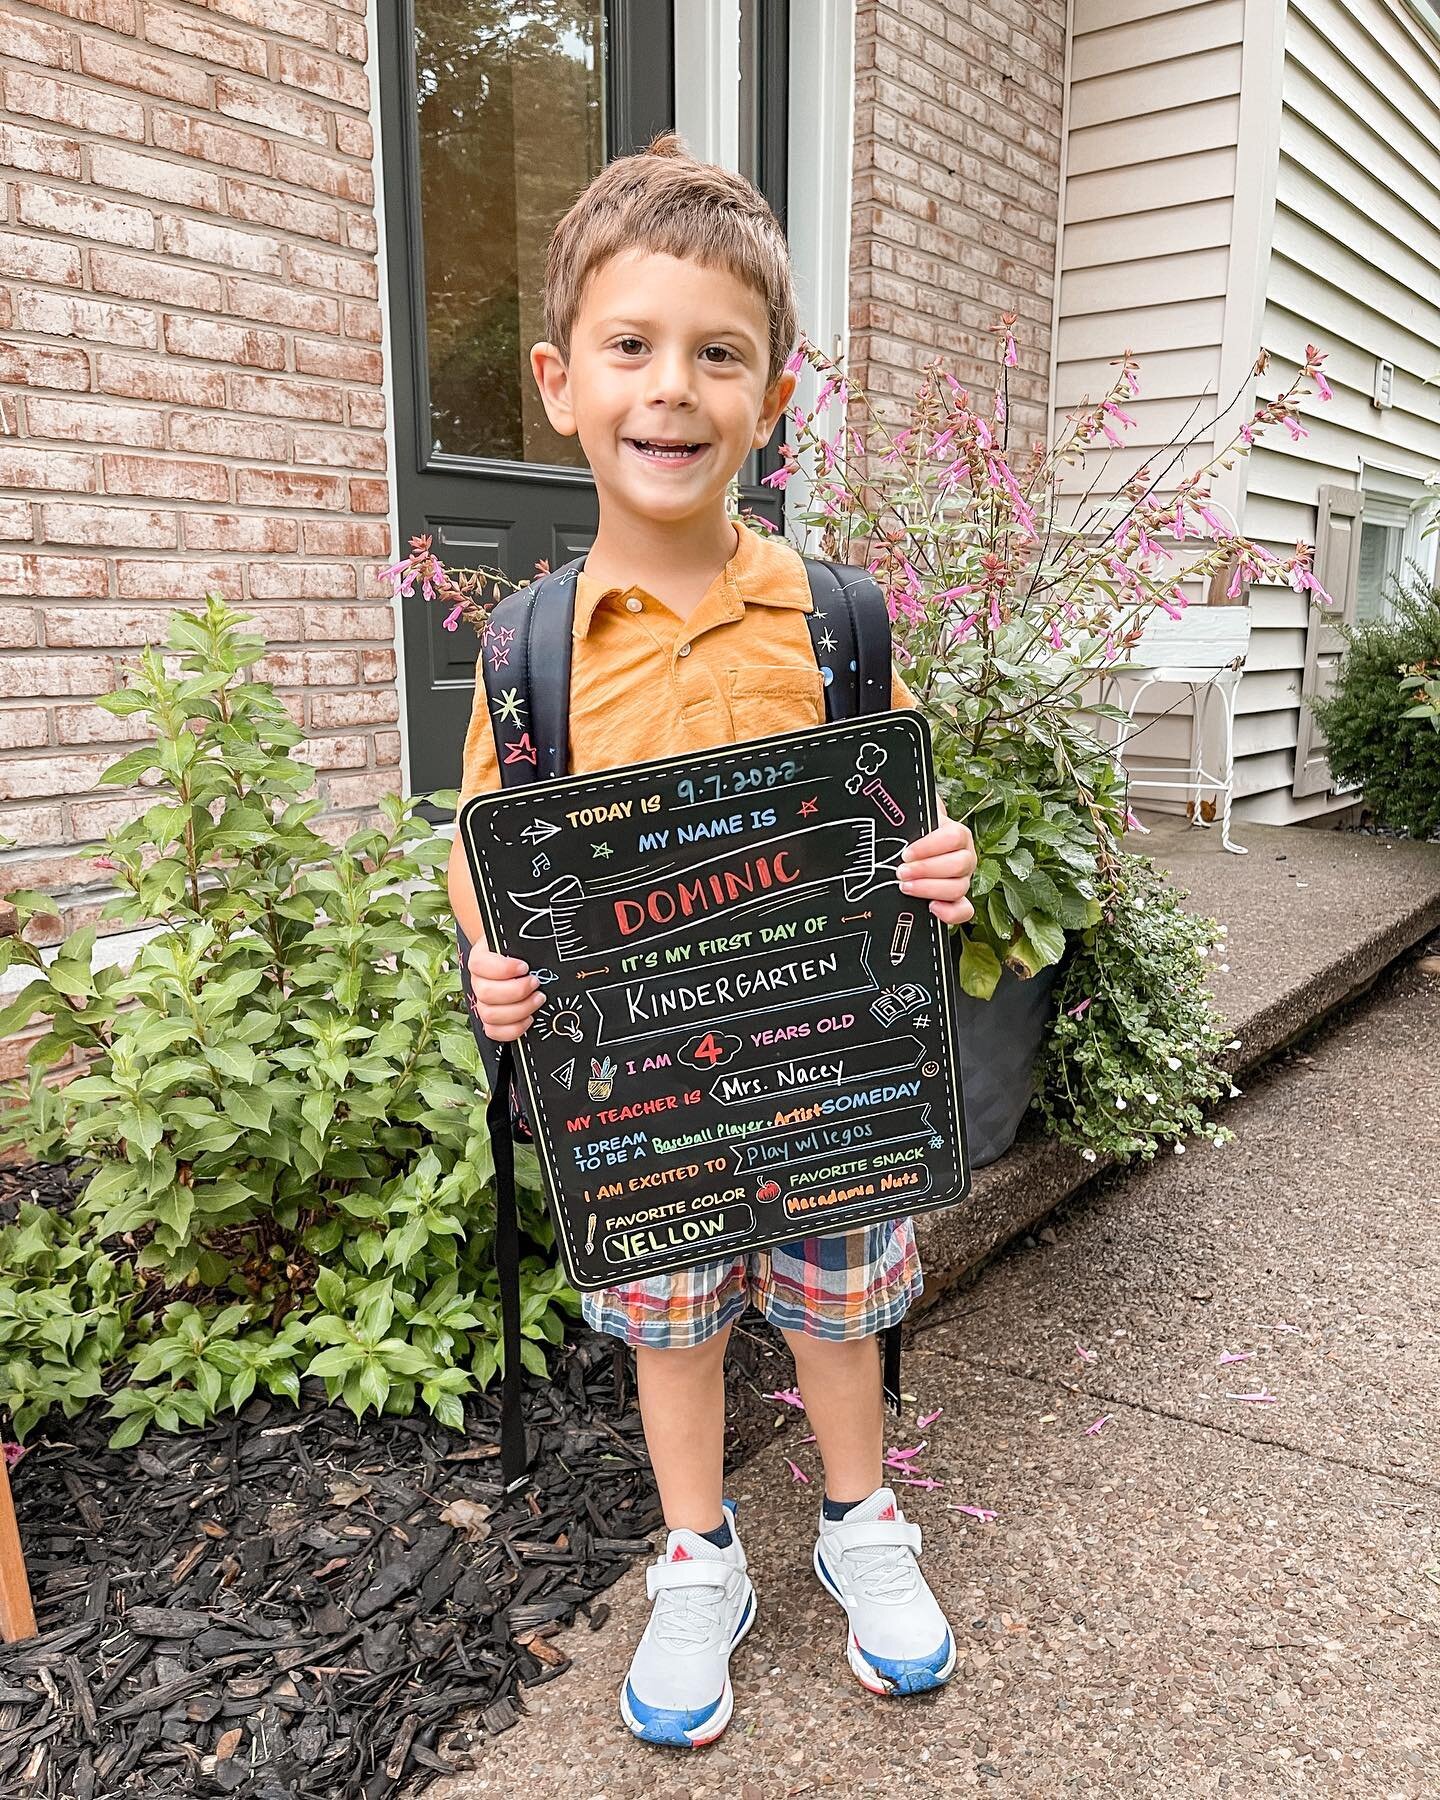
point(851, 1285)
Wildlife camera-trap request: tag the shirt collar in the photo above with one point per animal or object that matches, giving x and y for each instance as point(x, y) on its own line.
point(764, 571)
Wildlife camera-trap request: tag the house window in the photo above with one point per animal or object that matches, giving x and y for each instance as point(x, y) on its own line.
point(511, 125)
point(1380, 550)
point(1397, 507)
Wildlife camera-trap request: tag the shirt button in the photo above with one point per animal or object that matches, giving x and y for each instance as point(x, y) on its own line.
point(635, 603)
point(684, 650)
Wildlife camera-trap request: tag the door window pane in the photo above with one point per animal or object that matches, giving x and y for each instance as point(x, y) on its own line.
point(1379, 560)
point(511, 126)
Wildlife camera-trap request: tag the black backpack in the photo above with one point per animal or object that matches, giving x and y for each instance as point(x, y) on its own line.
point(850, 633)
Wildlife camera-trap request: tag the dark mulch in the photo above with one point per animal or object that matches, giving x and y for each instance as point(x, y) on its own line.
point(293, 1605)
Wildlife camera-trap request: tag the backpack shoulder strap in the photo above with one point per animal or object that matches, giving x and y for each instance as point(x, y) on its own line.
point(525, 656)
point(850, 631)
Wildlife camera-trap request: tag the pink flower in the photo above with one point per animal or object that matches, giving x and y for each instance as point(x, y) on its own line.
point(1086, 1356)
point(928, 1418)
point(982, 433)
point(1116, 412)
point(777, 478)
point(1078, 1012)
point(1233, 1356)
point(920, 1481)
point(1232, 591)
point(982, 1513)
point(1303, 581)
point(995, 620)
point(1322, 386)
point(959, 632)
point(1295, 428)
point(901, 1457)
point(787, 1397)
point(1099, 1425)
point(796, 1472)
point(1011, 359)
point(1057, 642)
point(453, 618)
point(1217, 526)
point(956, 593)
point(1130, 820)
point(1247, 434)
point(795, 361)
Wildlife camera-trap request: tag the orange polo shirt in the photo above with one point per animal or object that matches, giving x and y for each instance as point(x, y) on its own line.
point(646, 683)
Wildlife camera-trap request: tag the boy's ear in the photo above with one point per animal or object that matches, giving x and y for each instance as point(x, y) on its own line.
point(553, 380)
point(777, 398)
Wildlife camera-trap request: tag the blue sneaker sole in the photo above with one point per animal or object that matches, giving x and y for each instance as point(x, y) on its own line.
point(666, 1729)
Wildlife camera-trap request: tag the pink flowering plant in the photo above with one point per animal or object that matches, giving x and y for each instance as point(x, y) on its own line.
point(1015, 581)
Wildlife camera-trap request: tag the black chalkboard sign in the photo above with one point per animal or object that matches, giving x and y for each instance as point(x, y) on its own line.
point(749, 1031)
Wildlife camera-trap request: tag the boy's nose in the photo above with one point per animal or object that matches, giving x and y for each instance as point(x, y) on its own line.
point(672, 381)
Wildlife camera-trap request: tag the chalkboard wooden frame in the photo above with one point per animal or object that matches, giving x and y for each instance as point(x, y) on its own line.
point(546, 894)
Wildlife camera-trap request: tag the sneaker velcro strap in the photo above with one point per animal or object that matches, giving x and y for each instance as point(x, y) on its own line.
point(699, 1571)
point(867, 1533)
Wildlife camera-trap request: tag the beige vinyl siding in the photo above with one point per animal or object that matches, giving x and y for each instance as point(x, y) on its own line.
point(1354, 268)
point(1150, 168)
point(1148, 221)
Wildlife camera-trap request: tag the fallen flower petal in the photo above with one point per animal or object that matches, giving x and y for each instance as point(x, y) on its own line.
point(796, 1472)
point(1099, 1425)
point(928, 1418)
point(789, 1396)
point(808, 1440)
point(1233, 1356)
point(1084, 1354)
point(905, 1455)
point(920, 1481)
point(982, 1513)
point(1262, 1398)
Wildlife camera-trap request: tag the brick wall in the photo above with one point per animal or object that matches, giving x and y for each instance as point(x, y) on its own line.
point(956, 192)
point(190, 390)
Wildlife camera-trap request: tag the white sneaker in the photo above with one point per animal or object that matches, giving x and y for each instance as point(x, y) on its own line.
point(678, 1689)
point(899, 1641)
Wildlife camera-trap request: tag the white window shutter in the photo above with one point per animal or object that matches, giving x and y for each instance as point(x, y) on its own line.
point(1337, 560)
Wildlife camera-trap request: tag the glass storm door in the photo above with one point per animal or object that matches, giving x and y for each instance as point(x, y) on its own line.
point(493, 118)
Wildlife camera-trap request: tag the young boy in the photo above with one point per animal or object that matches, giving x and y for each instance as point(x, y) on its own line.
point(670, 315)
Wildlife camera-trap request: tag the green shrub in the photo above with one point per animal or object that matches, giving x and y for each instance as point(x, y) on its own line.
point(1132, 1056)
point(1378, 727)
point(281, 1127)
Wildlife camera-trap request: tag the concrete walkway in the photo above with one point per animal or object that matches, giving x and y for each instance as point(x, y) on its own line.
point(1210, 1596)
point(1313, 917)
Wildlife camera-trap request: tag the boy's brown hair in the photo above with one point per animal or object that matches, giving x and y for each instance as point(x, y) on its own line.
point(663, 200)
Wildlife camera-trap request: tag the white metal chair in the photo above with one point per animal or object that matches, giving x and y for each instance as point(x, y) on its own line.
point(1203, 650)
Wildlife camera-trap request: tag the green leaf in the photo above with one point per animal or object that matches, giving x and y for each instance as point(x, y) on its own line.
point(979, 968)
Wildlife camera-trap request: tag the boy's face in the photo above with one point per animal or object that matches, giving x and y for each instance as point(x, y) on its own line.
point(665, 384)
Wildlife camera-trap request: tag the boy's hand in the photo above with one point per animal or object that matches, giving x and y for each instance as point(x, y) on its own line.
point(938, 867)
point(507, 994)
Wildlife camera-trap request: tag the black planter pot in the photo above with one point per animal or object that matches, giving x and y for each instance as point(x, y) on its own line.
point(999, 1041)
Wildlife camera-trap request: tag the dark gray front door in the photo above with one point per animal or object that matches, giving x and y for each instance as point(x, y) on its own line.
point(493, 118)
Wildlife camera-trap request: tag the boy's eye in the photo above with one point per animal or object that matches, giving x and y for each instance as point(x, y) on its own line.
point(727, 355)
point(632, 346)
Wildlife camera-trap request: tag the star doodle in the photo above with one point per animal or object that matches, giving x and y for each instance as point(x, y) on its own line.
point(521, 750)
point(827, 642)
point(601, 850)
point(498, 639)
point(510, 706)
point(809, 808)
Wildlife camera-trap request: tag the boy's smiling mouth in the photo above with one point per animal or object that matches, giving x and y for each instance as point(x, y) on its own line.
point(667, 450)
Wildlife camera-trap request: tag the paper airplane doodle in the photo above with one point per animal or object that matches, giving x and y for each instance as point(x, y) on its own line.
point(538, 830)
